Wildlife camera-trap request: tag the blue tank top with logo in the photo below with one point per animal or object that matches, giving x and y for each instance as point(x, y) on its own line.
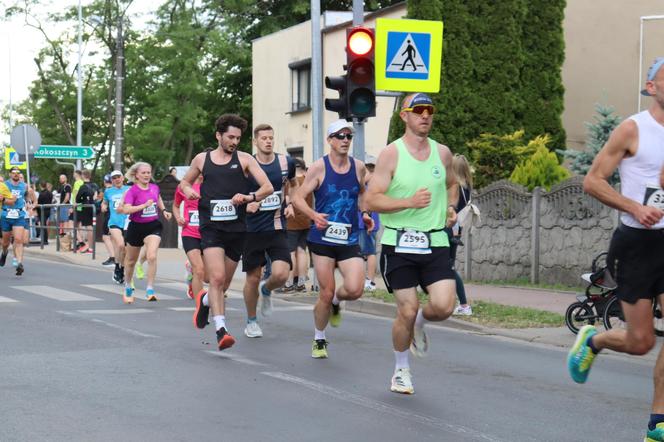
point(18, 191)
point(337, 197)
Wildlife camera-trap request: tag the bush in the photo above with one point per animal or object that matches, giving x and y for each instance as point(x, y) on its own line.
point(494, 157)
point(541, 169)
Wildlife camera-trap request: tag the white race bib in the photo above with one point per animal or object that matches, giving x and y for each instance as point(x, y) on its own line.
point(413, 241)
point(193, 218)
point(13, 213)
point(654, 197)
point(337, 233)
point(272, 202)
point(149, 211)
point(222, 210)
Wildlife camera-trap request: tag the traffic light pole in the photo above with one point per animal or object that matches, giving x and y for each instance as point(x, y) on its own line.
point(316, 82)
point(358, 124)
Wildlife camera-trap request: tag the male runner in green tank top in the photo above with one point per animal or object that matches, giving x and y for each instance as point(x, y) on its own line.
point(414, 189)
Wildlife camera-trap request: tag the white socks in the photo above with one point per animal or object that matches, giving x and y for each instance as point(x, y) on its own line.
point(401, 358)
point(206, 302)
point(219, 321)
point(319, 334)
point(335, 300)
point(419, 319)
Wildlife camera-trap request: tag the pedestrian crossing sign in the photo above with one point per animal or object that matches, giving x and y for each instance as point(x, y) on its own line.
point(408, 55)
point(12, 159)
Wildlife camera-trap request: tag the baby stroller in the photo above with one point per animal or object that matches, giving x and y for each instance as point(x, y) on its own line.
point(599, 302)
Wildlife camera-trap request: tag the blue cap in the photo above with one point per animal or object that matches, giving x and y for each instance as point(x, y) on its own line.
point(420, 99)
point(656, 65)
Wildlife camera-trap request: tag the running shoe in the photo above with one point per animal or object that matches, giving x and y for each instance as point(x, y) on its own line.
point(369, 286)
point(3, 258)
point(224, 339)
point(420, 344)
point(201, 312)
point(580, 358)
point(656, 435)
point(118, 275)
point(288, 288)
point(82, 248)
point(110, 262)
point(140, 273)
point(150, 296)
point(335, 318)
point(19, 269)
point(266, 300)
point(300, 288)
point(189, 275)
point(128, 295)
point(402, 381)
point(14, 262)
point(319, 349)
point(253, 330)
point(463, 311)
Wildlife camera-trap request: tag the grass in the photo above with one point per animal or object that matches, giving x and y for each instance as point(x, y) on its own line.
point(494, 315)
point(525, 282)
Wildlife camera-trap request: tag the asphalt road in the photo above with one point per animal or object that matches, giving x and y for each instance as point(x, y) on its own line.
point(78, 365)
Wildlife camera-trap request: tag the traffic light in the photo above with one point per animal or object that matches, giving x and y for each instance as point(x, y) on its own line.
point(360, 77)
point(338, 105)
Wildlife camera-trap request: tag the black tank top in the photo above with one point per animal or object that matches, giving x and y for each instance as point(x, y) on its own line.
point(220, 184)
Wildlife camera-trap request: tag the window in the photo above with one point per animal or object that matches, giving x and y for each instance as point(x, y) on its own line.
point(300, 85)
point(296, 152)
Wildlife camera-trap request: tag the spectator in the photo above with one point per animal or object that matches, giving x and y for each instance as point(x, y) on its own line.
point(85, 197)
point(461, 169)
point(44, 213)
point(65, 199)
point(367, 239)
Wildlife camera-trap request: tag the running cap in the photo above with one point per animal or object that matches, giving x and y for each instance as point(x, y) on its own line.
point(656, 65)
point(420, 99)
point(369, 159)
point(107, 178)
point(337, 126)
point(116, 173)
point(15, 169)
point(299, 162)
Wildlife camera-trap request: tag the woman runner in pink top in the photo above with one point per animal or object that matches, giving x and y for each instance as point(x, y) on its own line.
point(191, 237)
point(141, 202)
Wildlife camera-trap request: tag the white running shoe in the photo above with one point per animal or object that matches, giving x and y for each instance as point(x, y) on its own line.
point(463, 311)
point(253, 330)
point(266, 300)
point(402, 381)
point(420, 344)
point(369, 286)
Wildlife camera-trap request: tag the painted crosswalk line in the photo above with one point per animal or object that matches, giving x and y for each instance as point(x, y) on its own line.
point(119, 311)
point(55, 293)
point(117, 290)
point(3, 299)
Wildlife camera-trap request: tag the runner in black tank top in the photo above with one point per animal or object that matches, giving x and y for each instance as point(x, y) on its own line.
point(222, 211)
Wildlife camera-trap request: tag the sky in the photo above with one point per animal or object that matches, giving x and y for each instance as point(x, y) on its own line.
point(19, 44)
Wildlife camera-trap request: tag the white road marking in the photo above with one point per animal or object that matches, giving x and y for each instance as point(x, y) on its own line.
point(115, 326)
point(380, 407)
point(3, 299)
point(182, 309)
point(306, 308)
point(117, 289)
point(54, 293)
point(127, 311)
point(234, 357)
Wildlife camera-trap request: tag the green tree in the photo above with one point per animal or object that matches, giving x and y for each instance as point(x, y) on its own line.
point(541, 169)
point(599, 131)
point(494, 157)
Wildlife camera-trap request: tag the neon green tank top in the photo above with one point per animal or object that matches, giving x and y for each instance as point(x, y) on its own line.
point(409, 176)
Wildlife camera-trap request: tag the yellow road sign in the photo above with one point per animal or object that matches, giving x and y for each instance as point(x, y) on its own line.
point(408, 55)
point(12, 160)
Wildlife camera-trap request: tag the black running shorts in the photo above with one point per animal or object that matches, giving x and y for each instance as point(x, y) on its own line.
point(137, 232)
point(338, 253)
point(636, 262)
point(257, 244)
point(231, 242)
point(190, 243)
point(297, 238)
point(408, 270)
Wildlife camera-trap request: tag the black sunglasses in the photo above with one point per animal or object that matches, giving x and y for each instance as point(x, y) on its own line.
point(343, 136)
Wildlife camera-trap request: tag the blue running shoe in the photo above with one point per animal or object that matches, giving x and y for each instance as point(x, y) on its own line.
point(580, 358)
point(14, 262)
point(656, 435)
point(128, 295)
point(149, 295)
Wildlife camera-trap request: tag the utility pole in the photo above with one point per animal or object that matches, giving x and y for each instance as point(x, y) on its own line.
point(79, 95)
point(316, 81)
point(119, 92)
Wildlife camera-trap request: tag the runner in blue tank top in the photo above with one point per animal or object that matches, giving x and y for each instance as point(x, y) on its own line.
point(266, 230)
point(12, 220)
point(336, 180)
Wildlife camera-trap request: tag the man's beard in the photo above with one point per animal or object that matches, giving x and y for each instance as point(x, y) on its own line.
point(228, 150)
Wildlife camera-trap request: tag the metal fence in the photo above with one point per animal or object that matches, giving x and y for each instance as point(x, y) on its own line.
point(44, 228)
